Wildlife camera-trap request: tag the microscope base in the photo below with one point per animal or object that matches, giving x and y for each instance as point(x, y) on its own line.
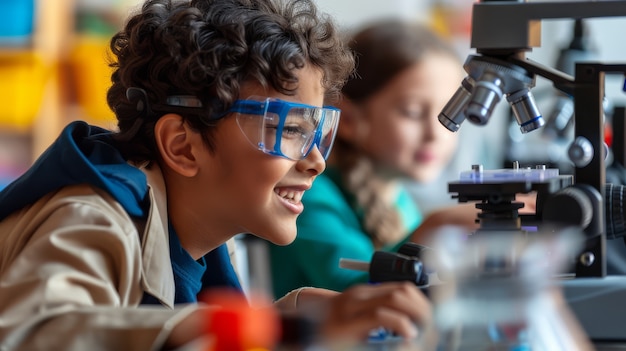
point(599, 304)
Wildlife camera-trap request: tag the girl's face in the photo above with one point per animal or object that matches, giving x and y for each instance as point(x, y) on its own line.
point(248, 191)
point(401, 131)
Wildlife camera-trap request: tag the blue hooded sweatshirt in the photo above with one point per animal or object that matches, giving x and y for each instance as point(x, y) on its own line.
point(84, 154)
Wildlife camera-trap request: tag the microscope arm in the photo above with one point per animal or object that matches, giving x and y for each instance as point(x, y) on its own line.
point(562, 81)
point(508, 26)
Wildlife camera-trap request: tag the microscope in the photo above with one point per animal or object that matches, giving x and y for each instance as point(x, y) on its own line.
point(502, 31)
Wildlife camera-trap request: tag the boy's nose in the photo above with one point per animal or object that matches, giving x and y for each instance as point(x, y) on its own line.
point(313, 162)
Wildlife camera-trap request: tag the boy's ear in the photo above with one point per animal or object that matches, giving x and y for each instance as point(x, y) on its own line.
point(350, 125)
point(177, 144)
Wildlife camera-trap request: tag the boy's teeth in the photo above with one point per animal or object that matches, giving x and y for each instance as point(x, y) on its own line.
point(294, 196)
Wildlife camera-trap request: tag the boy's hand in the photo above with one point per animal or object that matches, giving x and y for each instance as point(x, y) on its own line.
point(396, 306)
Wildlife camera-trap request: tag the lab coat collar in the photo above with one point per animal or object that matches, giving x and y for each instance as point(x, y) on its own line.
point(158, 278)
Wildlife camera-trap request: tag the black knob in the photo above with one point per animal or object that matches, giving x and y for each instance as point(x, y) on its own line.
point(614, 208)
point(570, 206)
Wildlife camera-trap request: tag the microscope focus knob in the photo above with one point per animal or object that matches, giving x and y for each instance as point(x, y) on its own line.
point(615, 211)
point(571, 206)
point(580, 152)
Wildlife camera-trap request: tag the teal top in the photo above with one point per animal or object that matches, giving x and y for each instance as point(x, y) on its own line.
point(330, 229)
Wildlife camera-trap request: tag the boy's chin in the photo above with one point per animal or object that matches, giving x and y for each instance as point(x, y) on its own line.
point(283, 240)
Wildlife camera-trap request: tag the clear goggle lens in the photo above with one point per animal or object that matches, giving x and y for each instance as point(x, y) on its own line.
point(286, 129)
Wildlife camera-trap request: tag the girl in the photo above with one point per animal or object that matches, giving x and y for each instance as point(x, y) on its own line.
point(389, 132)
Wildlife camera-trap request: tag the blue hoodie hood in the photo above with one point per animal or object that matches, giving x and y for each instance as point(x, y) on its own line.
point(82, 154)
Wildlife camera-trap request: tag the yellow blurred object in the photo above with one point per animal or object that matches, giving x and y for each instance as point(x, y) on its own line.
point(92, 77)
point(452, 18)
point(23, 79)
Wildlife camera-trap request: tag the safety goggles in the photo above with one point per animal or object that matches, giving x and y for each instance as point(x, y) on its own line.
point(286, 129)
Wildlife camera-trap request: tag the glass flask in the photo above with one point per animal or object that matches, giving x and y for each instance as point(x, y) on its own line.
point(498, 290)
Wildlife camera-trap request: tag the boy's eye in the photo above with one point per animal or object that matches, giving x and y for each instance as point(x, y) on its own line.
point(294, 131)
point(288, 132)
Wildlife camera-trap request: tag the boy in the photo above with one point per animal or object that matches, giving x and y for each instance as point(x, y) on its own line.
point(109, 238)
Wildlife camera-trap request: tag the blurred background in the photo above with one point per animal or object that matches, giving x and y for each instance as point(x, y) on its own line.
point(53, 69)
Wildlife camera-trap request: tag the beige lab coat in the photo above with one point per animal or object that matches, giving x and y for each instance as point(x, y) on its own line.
point(73, 270)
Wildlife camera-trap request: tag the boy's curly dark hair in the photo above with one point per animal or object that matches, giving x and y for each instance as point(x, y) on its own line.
point(208, 48)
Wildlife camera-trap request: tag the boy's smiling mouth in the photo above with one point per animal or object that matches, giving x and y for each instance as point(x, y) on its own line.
point(291, 195)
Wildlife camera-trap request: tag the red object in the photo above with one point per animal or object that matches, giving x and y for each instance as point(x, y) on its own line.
point(608, 134)
point(236, 326)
